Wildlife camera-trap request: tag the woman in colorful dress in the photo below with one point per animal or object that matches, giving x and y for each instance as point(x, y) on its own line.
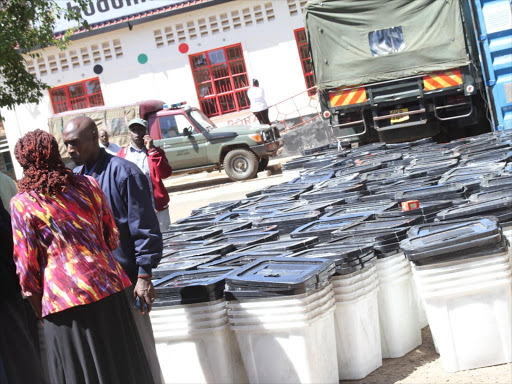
point(64, 234)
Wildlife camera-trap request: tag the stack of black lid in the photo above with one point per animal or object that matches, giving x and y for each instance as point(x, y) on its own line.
point(240, 259)
point(245, 238)
point(348, 258)
point(190, 287)
point(286, 222)
point(499, 207)
point(281, 276)
point(190, 258)
point(454, 240)
point(324, 228)
point(427, 211)
point(294, 245)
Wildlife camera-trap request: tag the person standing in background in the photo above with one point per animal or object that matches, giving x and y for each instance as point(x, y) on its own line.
point(128, 194)
point(153, 162)
point(259, 106)
point(104, 143)
point(19, 358)
point(64, 234)
point(7, 190)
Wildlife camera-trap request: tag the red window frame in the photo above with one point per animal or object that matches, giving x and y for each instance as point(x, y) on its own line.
point(220, 77)
point(305, 59)
point(80, 95)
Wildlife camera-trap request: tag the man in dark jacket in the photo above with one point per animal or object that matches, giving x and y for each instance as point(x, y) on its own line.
point(19, 360)
point(153, 162)
point(127, 191)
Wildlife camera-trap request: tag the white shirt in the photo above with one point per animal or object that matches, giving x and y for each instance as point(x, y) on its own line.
point(140, 158)
point(256, 96)
point(112, 148)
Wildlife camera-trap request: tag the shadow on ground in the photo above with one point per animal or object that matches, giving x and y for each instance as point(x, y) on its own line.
point(213, 182)
point(396, 370)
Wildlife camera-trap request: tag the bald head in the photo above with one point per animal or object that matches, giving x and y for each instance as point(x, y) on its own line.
point(103, 134)
point(80, 137)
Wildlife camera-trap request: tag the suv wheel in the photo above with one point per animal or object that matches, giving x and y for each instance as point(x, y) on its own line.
point(263, 164)
point(241, 164)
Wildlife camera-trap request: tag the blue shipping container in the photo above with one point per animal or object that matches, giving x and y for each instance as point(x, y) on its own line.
point(494, 19)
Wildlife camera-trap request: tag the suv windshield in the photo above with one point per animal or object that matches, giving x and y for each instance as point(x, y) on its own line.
point(202, 119)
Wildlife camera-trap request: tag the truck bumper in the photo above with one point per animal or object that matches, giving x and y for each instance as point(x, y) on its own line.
point(268, 149)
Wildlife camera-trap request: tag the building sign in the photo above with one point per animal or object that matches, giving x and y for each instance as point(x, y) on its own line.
point(103, 10)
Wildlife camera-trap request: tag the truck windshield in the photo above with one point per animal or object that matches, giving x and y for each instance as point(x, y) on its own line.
point(202, 119)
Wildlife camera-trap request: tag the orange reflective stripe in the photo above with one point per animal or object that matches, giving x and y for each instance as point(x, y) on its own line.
point(439, 80)
point(347, 97)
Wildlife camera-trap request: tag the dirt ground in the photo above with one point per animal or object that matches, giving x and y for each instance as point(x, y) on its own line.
point(421, 366)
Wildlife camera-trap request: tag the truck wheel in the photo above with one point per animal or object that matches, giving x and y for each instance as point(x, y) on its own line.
point(263, 164)
point(241, 164)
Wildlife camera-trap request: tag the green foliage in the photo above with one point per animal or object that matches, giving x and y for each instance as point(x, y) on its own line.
point(27, 25)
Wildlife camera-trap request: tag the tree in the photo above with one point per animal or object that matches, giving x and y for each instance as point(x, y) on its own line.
point(27, 25)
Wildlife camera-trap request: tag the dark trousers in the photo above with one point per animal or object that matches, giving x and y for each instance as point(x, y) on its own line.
point(96, 343)
point(145, 329)
point(19, 360)
point(262, 116)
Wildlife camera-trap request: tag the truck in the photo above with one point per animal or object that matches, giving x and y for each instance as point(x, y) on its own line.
point(191, 141)
point(398, 70)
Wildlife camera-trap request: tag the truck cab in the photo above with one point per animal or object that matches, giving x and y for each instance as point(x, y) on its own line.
point(193, 143)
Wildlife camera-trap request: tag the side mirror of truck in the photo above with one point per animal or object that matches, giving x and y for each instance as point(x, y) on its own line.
point(187, 131)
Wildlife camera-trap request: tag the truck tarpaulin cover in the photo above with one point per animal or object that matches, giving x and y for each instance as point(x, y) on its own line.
point(357, 42)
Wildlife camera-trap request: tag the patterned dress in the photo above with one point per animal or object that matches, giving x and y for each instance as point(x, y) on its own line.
point(63, 246)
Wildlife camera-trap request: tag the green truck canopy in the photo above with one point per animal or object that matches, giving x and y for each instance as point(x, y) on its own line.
point(356, 42)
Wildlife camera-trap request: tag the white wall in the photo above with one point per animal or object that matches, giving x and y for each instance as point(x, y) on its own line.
point(269, 47)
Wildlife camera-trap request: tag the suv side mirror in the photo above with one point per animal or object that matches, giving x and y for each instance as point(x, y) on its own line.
point(187, 131)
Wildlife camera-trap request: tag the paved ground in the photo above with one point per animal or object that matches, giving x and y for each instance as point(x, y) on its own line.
point(195, 191)
point(421, 366)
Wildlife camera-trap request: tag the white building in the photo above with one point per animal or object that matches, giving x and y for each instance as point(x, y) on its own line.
point(203, 51)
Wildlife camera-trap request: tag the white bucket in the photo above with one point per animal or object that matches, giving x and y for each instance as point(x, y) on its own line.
point(281, 301)
point(206, 356)
point(297, 314)
point(276, 320)
point(452, 277)
point(354, 295)
point(344, 280)
point(398, 313)
point(189, 318)
point(164, 329)
point(186, 309)
point(395, 271)
point(358, 336)
point(472, 324)
point(356, 286)
point(463, 283)
point(465, 262)
point(397, 275)
point(390, 261)
point(291, 354)
point(438, 269)
point(422, 314)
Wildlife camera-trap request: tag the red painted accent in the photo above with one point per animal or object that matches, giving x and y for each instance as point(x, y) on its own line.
point(221, 80)
point(183, 48)
point(75, 96)
point(305, 59)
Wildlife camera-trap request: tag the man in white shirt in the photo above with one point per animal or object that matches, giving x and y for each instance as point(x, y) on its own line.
point(104, 143)
point(259, 106)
